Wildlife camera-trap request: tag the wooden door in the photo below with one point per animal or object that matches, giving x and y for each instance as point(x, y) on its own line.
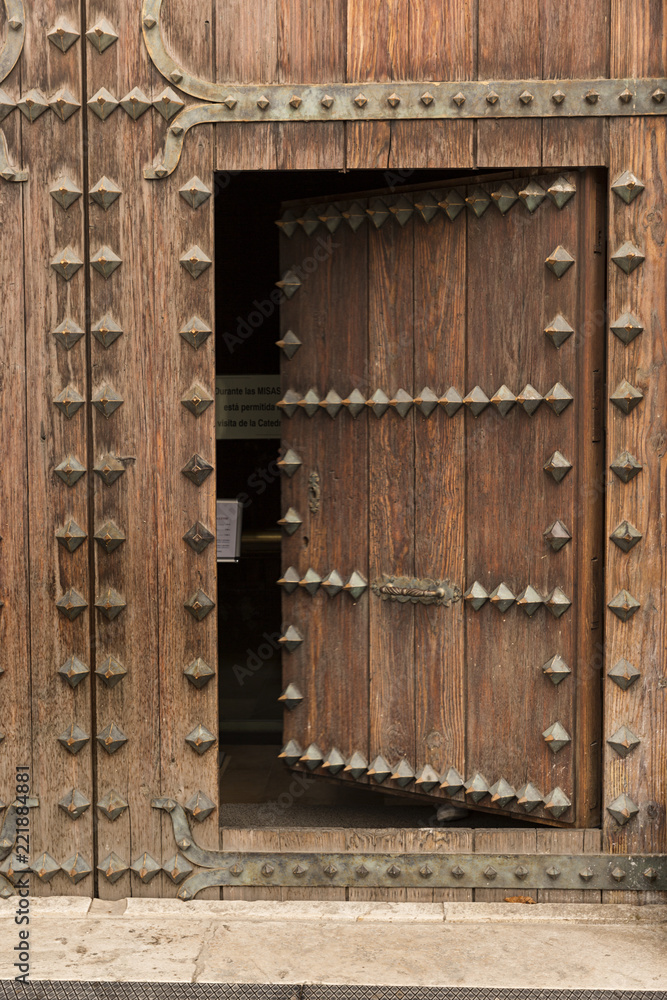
point(443, 359)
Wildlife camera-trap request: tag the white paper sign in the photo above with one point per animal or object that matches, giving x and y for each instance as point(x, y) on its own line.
point(245, 406)
point(228, 524)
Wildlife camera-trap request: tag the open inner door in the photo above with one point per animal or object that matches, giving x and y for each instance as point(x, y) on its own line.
point(442, 492)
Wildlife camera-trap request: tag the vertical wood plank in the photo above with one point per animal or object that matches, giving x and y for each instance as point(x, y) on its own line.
point(504, 842)
point(52, 148)
point(118, 149)
point(638, 38)
point(181, 504)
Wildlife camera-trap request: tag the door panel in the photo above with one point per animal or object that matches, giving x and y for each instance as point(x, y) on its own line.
point(431, 492)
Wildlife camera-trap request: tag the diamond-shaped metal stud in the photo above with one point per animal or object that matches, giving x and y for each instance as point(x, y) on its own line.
point(628, 257)
point(310, 403)
point(489, 872)
point(658, 95)
point(502, 597)
point(63, 104)
point(106, 331)
point(393, 100)
point(557, 535)
point(65, 192)
point(287, 224)
point(356, 766)
point(327, 101)
point(355, 403)
point(291, 697)
point(291, 753)
point(289, 403)
point(556, 669)
point(334, 762)
point(556, 737)
point(477, 201)
point(586, 874)
point(195, 331)
point(197, 400)
point(403, 773)
point(332, 583)
point(453, 204)
point(45, 867)
point(74, 671)
point(103, 103)
point(69, 401)
point(111, 672)
point(476, 787)
point(625, 536)
point(309, 221)
point(561, 191)
point(74, 803)
point(626, 397)
point(521, 872)
point(557, 466)
point(199, 605)
point(331, 216)
point(7, 105)
point(112, 805)
point(625, 96)
point(135, 103)
point(289, 344)
point(198, 537)
point(627, 187)
point(200, 739)
point(289, 581)
point(624, 674)
point(111, 738)
point(356, 585)
point(197, 470)
point(377, 212)
point(66, 263)
point(73, 739)
point(113, 867)
point(311, 582)
point(105, 192)
point(146, 868)
point(476, 596)
point(70, 470)
point(402, 210)
point(68, 333)
point(502, 793)
point(624, 605)
point(426, 779)
point(476, 401)
point(290, 521)
point(458, 872)
point(109, 469)
point(199, 806)
point(452, 782)
point(63, 34)
point(557, 603)
point(558, 398)
point(198, 672)
point(622, 809)
point(451, 402)
point(267, 870)
point(71, 536)
point(529, 600)
point(195, 192)
point(102, 35)
point(505, 197)
point(289, 463)
point(332, 403)
point(459, 98)
point(529, 398)
point(289, 284)
point(492, 97)
point(623, 741)
point(557, 803)
point(558, 330)
point(532, 195)
point(529, 797)
point(71, 604)
point(426, 401)
point(32, 105)
point(626, 466)
point(106, 400)
point(559, 261)
point(195, 261)
point(626, 328)
point(168, 103)
point(110, 604)
point(312, 757)
point(177, 868)
point(105, 262)
point(618, 874)
point(427, 205)
point(291, 639)
point(553, 873)
point(360, 100)
point(503, 400)
point(651, 874)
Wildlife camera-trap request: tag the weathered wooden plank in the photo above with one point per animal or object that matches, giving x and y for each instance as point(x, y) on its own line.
point(638, 39)
point(51, 150)
point(182, 506)
point(376, 842)
point(507, 842)
point(315, 840)
point(118, 148)
point(251, 840)
point(246, 41)
point(575, 142)
point(568, 842)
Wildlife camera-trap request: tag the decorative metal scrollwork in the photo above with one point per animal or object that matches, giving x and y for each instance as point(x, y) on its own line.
point(9, 56)
point(406, 589)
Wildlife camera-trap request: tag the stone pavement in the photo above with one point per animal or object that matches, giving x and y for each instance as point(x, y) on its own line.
point(501, 945)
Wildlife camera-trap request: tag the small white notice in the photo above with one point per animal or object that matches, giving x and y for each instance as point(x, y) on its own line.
point(245, 406)
point(229, 518)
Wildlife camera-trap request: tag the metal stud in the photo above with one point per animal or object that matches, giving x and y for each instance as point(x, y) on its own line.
point(332, 403)
point(427, 99)
point(618, 874)
point(311, 582)
point(290, 521)
point(402, 210)
point(426, 779)
point(197, 400)
point(289, 344)
point(146, 868)
point(287, 223)
point(623, 741)
point(200, 739)
point(556, 669)
point(394, 100)
point(106, 400)
point(558, 330)
point(198, 537)
point(198, 672)
point(529, 797)
point(627, 187)
point(626, 328)
point(295, 101)
point(558, 96)
point(532, 195)
point(356, 766)
point(628, 257)
point(289, 284)
point(377, 212)
point(502, 793)
point(65, 192)
point(403, 774)
point(458, 872)
point(63, 34)
point(476, 787)
point(529, 398)
point(109, 537)
point(199, 605)
point(452, 782)
point(586, 874)
point(310, 403)
point(327, 101)
point(557, 466)
point(289, 403)
point(105, 262)
point(110, 604)
point(625, 96)
point(521, 872)
point(459, 99)
point(230, 101)
point(102, 35)
point(626, 466)
point(111, 738)
point(356, 585)
point(658, 95)
point(289, 463)
point(103, 103)
point(45, 867)
point(199, 806)
point(332, 583)
point(557, 803)
point(291, 697)
point(553, 872)
point(355, 403)
point(291, 753)
point(332, 217)
point(427, 205)
point(393, 871)
point(106, 331)
point(70, 470)
point(626, 397)
point(312, 757)
point(113, 867)
point(561, 191)
point(111, 672)
point(477, 201)
point(650, 874)
point(195, 261)
point(7, 105)
point(557, 535)
point(197, 470)
point(334, 762)
point(503, 400)
point(76, 867)
point(476, 401)
point(505, 197)
point(310, 220)
point(557, 602)
point(502, 597)
point(74, 671)
point(556, 737)
point(355, 215)
point(453, 204)
point(168, 103)
point(73, 739)
point(360, 100)
point(624, 605)
point(177, 868)
point(451, 402)
point(66, 263)
point(529, 600)
point(624, 674)
point(592, 96)
point(476, 596)
point(68, 334)
point(559, 261)
point(105, 193)
point(71, 604)
point(622, 809)
point(291, 639)
point(69, 401)
point(71, 536)
point(109, 469)
point(135, 103)
point(492, 97)
point(32, 105)
point(625, 536)
point(426, 401)
point(526, 97)
point(112, 805)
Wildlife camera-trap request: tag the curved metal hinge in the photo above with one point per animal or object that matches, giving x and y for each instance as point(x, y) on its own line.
point(409, 589)
point(7, 171)
point(185, 841)
point(13, 47)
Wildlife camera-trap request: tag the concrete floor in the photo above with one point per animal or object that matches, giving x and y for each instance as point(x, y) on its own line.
point(566, 946)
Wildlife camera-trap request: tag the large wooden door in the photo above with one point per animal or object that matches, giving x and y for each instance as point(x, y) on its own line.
point(443, 379)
